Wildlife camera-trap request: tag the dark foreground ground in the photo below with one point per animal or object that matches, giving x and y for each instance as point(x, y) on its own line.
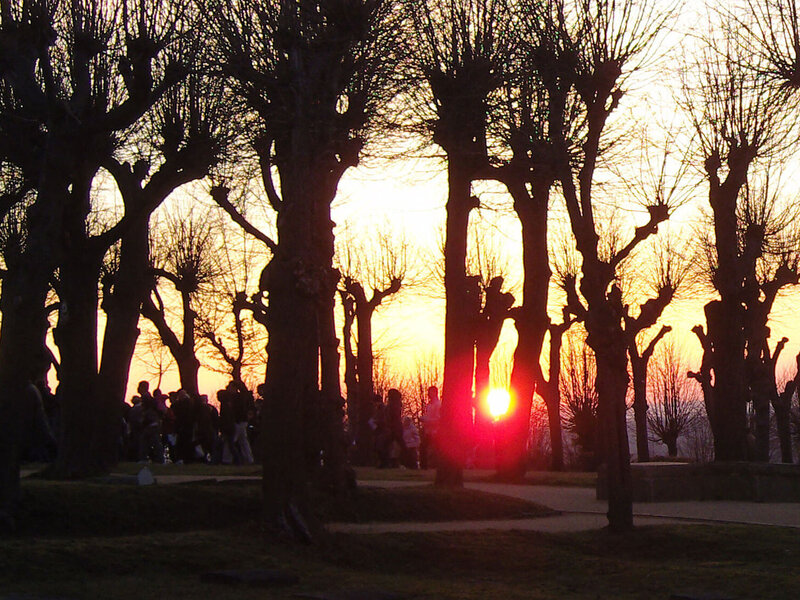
point(92, 540)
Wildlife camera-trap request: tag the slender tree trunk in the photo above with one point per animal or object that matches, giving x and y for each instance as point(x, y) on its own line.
point(639, 372)
point(365, 450)
point(350, 380)
point(531, 321)
point(334, 472)
point(462, 307)
point(552, 396)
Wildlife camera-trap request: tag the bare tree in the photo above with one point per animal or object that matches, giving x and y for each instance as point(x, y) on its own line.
point(183, 258)
point(674, 402)
point(740, 119)
point(594, 44)
point(79, 78)
point(578, 391)
point(379, 265)
point(459, 48)
point(316, 77)
point(670, 271)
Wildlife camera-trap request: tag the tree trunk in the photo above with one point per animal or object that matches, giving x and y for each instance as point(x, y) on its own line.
point(672, 446)
point(531, 322)
point(639, 372)
point(334, 468)
point(365, 446)
point(552, 395)
point(729, 392)
point(293, 356)
point(82, 415)
point(350, 380)
point(612, 386)
point(122, 307)
point(24, 325)
point(461, 310)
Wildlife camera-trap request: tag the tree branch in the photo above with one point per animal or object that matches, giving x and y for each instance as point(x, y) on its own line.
point(220, 196)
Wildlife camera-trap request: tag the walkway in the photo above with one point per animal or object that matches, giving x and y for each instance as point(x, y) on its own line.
point(581, 511)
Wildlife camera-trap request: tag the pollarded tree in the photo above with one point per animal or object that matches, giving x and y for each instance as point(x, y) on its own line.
point(669, 272)
point(315, 76)
point(459, 49)
point(596, 43)
point(379, 265)
point(740, 119)
point(674, 402)
point(183, 257)
point(76, 78)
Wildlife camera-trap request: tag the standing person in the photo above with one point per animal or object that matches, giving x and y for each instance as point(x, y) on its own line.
point(380, 431)
point(411, 441)
point(394, 408)
point(184, 427)
point(430, 429)
point(242, 400)
point(150, 446)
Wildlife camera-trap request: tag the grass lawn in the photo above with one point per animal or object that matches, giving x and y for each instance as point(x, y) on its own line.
point(82, 540)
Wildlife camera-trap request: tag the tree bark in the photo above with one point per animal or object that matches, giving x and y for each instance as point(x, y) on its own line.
point(365, 450)
point(24, 326)
point(122, 306)
point(292, 364)
point(531, 322)
point(461, 310)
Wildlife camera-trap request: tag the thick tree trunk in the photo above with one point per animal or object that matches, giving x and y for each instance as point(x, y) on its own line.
point(122, 307)
point(729, 393)
point(612, 386)
point(82, 415)
point(462, 307)
point(24, 326)
point(188, 369)
point(293, 356)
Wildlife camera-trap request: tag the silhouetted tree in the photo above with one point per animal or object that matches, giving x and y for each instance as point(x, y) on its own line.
point(315, 76)
point(578, 391)
point(183, 257)
point(381, 266)
point(740, 119)
point(674, 404)
point(458, 50)
point(76, 78)
point(593, 45)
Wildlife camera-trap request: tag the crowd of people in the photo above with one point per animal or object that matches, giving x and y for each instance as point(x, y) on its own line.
point(397, 439)
point(180, 427)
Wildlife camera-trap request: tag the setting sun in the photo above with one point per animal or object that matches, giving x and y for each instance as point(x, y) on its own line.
point(498, 400)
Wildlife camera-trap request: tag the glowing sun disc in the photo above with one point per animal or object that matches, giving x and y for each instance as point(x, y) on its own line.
point(498, 401)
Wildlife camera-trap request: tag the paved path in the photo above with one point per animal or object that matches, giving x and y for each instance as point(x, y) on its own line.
point(581, 511)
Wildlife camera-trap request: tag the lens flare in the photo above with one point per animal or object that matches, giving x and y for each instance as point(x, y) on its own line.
point(498, 400)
